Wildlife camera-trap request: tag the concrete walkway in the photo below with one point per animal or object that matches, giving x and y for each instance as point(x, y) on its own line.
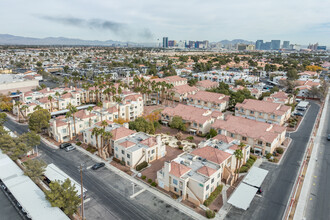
point(226, 206)
point(151, 189)
point(305, 191)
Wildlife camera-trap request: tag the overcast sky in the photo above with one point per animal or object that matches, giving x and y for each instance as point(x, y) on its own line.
point(300, 21)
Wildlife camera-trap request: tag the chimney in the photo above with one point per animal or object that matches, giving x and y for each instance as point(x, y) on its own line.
point(126, 125)
point(159, 140)
point(167, 166)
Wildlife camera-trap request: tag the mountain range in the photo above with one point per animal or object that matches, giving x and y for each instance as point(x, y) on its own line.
point(7, 39)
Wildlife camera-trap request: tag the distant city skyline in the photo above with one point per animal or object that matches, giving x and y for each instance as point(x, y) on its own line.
point(302, 21)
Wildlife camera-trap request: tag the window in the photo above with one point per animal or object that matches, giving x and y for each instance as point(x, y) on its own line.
point(252, 112)
point(153, 151)
point(200, 125)
point(219, 131)
point(231, 135)
point(64, 130)
point(122, 151)
point(260, 113)
point(218, 175)
point(207, 187)
point(128, 156)
point(244, 138)
point(175, 182)
point(212, 180)
point(116, 148)
point(128, 163)
point(116, 155)
point(259, 142)
point(268, 144)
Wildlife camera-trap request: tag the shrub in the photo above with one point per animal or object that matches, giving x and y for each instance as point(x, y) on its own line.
point(243, 169)
point(252, 151)
point(209, 213)
point(149, 180)
point(180, 147)
point(122, 163)
point(141, 166)
point(143, 177)
point(166, 143)
point(78, 143)
point(213, 195)
point(269, 155)
point(194, 146)
point(178, 143)
point(190, 138)
point(154, 184)
point(275, 160)
point(279, 150)
point(116, 160)
point(248, 165)
point(253, 157)
point(91, 149)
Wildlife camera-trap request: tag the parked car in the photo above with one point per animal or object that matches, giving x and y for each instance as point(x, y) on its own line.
point(97, 166)
point(328, 137)
point(64, 145)
point(298, 114)
point(69, 148)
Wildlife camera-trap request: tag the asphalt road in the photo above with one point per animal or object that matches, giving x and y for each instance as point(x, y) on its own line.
point(278, 184)
point(108, 192)
point(318, 206)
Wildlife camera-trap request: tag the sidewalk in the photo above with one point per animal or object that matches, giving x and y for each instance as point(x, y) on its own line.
point(302, 201)
point(226, 207)
point(165, 198)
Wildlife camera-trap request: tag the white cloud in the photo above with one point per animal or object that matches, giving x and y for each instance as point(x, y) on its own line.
point(300, 21)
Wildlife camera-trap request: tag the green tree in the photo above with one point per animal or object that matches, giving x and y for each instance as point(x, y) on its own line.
point(64, 196)
point(31, 139)
point(39, 120)
point(238, 155)
point(141, 124)
point(212, 133)
point(13, 147)
point(35, 169)
point(292, 74)
point(3, 118)
point(177, 123)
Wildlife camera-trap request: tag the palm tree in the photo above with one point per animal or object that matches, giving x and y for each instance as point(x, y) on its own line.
point(23, 108)
point(90, 109)
point(96, 132)
point(68, 116)
point(58, 99)
point(66, 81)
point(238, 155)
point(18, 105)
point(72, 109)
point(107, 139)
point(50, 99)
point(38, 107)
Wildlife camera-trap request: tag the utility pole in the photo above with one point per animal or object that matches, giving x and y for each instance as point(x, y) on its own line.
point(82, 194)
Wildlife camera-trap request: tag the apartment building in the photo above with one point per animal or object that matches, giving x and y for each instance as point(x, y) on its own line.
point(182, 92)
point(127, 145)
point(195, 175)
point(263, 111)
point(206, 84)
point(197, 120)
point(262, 137)
point(280, 97)
point(63, 129)
point(174, 80)
point(209, 100)
point(139, 147)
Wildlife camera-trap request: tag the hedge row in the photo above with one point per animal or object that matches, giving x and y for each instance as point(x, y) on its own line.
point(141, 166)
point(213, 195)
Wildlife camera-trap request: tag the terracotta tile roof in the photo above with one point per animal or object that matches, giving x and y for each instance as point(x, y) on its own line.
point(127, 144)
point(263, 106)
point(188, 113)
point(223, 138)
point(280, 95)
point(121, 132)
point(212, 154)
point(207, 84)
point(100, 122)
point(150, 142)
point(82, 114)
point(185, 89)
point(170, 79)
point(206, 171)
point(112, 109)
point(217, 98)
point(249, 128)
point(178, 170)
point(66, 96)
